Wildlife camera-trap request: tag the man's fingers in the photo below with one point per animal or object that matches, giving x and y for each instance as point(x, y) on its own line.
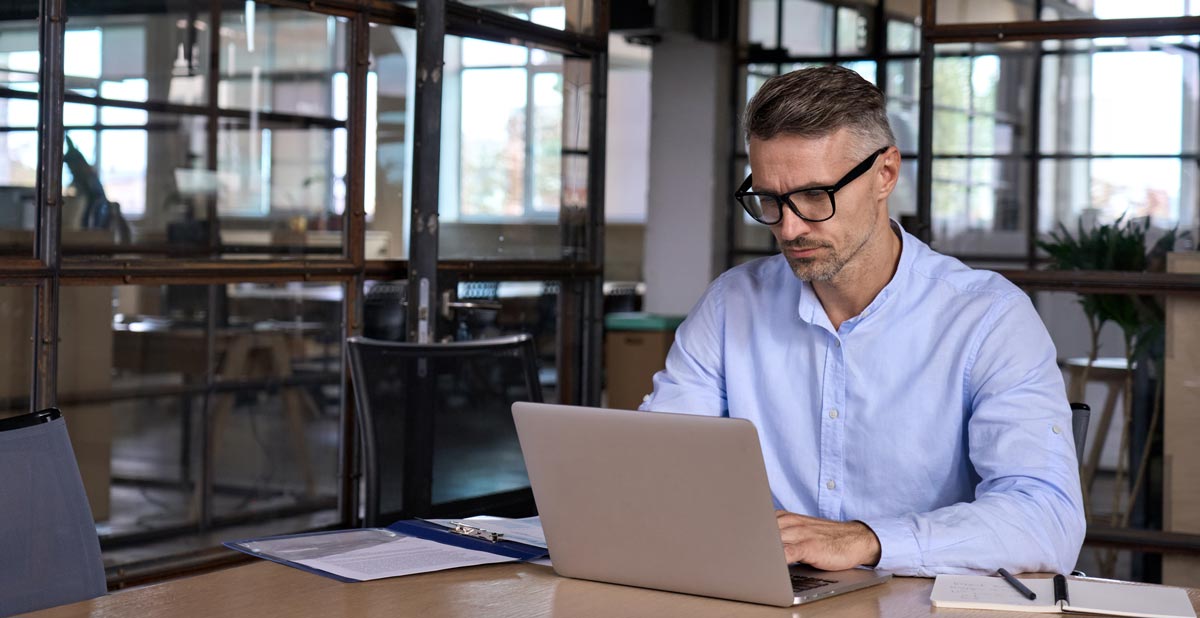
point(793, 552)
point(786, 519)
point(795, 534)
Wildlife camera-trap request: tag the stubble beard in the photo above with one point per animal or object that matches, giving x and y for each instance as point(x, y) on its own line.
point(824, 269)
point(821, 269)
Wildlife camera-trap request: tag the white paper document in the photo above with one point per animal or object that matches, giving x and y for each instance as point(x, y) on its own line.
point(403, 555)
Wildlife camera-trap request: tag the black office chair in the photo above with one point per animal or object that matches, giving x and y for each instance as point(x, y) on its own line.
point(436, 423)
point(51, 554)
point(1081, 413)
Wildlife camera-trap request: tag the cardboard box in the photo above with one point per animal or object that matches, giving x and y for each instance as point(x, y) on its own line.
point(636, 346)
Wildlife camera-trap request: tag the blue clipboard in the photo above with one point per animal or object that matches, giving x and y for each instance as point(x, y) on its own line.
point(417, 528)
point(431, 531)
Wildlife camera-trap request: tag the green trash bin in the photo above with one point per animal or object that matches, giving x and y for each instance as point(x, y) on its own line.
point(636, 346)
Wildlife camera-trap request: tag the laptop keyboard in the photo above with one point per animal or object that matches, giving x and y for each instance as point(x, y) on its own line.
point(800, 583)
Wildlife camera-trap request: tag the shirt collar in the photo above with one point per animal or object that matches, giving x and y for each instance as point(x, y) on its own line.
point(810, 310)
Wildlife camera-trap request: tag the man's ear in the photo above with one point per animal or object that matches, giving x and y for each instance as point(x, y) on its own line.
point(889, 172)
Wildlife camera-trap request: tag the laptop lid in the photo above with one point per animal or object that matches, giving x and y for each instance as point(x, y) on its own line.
point(667, 501)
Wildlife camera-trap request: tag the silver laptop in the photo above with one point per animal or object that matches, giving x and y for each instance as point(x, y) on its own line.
point(666, 501)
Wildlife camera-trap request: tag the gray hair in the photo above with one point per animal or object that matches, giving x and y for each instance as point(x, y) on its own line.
point(818, 101)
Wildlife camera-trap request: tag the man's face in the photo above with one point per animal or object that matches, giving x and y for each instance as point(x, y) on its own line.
point(819, 251)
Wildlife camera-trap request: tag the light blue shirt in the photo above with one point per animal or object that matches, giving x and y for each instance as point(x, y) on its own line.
point(937, 416)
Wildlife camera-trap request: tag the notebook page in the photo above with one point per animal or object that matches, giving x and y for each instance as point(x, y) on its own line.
point(982, 592)
point(1117, 599)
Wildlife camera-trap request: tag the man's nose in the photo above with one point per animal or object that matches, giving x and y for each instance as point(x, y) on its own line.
point(791, 225)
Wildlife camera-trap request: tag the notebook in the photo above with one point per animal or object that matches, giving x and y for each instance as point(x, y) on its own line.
point(1084, 596)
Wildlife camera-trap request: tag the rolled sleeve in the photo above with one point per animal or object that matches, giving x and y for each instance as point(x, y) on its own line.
point(897, 544)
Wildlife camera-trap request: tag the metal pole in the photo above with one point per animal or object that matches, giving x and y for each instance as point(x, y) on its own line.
point(423, 237)
point(1035, 134)
point(593, 314)
point(925, 125)
point(51, 42)
point(354, 246)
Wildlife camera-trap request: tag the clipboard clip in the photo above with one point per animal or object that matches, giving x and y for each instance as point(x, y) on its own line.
point(464, 529)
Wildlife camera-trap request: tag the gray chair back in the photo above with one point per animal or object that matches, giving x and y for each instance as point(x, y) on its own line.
point(49, 551)
point(438, 437)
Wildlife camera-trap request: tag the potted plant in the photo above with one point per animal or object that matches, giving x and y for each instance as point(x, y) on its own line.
point(1120, 246)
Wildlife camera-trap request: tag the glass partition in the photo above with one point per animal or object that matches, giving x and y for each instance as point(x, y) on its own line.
point(19, 62)
point(514, 150)
point(148, 168)
point(266, 378)
point(390, 124)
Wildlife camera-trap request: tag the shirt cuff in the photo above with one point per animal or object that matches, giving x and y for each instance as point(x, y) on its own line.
point(898, 549)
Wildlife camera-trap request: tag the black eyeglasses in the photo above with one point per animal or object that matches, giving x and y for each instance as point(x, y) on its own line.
point(813, 204)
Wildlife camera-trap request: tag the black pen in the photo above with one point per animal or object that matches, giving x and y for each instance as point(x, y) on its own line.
point(1060, 590)
point(1016, 583)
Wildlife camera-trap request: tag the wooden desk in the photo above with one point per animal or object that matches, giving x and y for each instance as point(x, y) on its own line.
point(265, 589)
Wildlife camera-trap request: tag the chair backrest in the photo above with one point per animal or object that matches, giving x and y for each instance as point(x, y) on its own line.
point(48, 543)
point(438, 437)
point(1081, 413)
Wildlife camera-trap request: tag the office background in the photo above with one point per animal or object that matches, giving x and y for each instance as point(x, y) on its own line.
point(242, 185)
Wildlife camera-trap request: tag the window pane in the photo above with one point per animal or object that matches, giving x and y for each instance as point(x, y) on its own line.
point(627, 136)
point(748, 234)
point(514, 157)
point(275, 426)
point(753, 76)
point(280, 60)
point(981, 103)
point(903, 200)
point(853, 32)
point(493, 142)
point(477, 53)
point(903, 36)
point(390, 124)
point(762, 22)
point(979, 206)
point(807, 28)
point(139, 182)
point(865, 68)
point(974, 12)
point(1121, 9)
point(547, 142)
point(1096, 103)
point(1092, 191)
point(903, 77)
point(19, 62)
point(139, 57)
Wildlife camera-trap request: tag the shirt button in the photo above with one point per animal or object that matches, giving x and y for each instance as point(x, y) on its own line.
point(837, 343)
point(1057, 429)
point(831, 485)
point(833, 413)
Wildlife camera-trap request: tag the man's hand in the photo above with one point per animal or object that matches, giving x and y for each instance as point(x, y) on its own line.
point(825, 544)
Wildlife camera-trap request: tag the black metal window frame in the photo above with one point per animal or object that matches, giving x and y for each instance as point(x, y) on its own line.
point(581, 278)
point(933, 34)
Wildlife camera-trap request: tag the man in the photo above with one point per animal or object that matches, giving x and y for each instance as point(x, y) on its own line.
point(910, 409)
